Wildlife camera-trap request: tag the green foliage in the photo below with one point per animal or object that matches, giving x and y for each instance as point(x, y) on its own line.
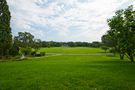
point(24, 39)
point(36, 52)
point(122, 32)
point(108, 41)
point(26, 42)
point(36, 44)
point(96, 44)
point(70, 44)
point(26, 51)
point(40, 54)
point(104, 48)
point(112, 50)
point(5, 30)
point(14, 50)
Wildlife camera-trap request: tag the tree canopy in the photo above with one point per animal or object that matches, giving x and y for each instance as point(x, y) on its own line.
point(122, 32)
point(5, 30)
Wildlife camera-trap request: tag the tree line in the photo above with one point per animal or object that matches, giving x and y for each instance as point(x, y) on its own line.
point(27, 44)
point(95, 44)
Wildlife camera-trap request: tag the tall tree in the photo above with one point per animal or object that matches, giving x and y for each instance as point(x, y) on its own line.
point(122, 29)
point(129, 34)
point(5, 30)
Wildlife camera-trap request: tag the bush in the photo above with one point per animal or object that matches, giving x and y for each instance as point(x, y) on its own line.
point(112, 50)
point(33, 53)
point(104, 48)
point(26, 51)
point(40, 54)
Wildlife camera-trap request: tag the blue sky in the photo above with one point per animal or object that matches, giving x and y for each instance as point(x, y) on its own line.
point(64, 20)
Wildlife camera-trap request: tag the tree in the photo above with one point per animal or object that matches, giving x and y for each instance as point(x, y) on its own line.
point(109, 41)
point(25, 41)
point(37, 44)
point(5, 30)
point(122, 29)
point(14, 50)
point(71, 44)
point(96, 44)
point(116, 32)
point(129, 34)
point(104, 48)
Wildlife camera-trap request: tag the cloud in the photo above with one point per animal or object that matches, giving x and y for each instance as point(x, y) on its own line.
point(61, 20)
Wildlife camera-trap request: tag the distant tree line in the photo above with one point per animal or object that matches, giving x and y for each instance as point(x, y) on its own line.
point(95, 44)
point(26, 45)
point(121, 34)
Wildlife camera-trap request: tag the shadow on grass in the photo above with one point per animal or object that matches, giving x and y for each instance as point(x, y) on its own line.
point(114, 61)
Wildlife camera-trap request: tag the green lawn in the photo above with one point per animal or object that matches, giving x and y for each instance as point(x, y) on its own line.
point(64, 72)
point(74, 50)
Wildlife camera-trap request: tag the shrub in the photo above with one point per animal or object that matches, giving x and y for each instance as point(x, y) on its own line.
point(112, 50)
point(40, 54)
point(104, 48)
point(33, 53)
point(26, 51)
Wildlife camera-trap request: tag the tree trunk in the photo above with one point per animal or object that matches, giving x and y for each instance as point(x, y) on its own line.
point(2, 53)
point(122, 55)
point(131, 56)
point(7, 53)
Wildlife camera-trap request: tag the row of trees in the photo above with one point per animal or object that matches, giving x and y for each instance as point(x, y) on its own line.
point(26, 44)
point(121, 35)
point(70, 44)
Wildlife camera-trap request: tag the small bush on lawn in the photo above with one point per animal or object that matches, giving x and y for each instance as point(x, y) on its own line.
point(112, 50)
point(40, 54)
point(25, 51)
point(105, 48)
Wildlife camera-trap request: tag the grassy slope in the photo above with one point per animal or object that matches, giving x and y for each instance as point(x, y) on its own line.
point(68, 73)
point(76, 50)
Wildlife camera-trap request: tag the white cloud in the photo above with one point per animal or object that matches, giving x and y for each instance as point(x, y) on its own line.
point(52, 19)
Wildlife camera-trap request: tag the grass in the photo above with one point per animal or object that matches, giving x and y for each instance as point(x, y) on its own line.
point(95, 72)
point(74, 50)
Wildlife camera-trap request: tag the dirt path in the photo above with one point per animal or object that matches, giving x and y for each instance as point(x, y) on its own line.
point(92, 54)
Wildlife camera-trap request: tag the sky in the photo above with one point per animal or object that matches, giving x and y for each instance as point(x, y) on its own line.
point(64, 20)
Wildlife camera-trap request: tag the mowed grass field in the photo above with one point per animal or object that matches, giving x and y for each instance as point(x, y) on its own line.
point(68, 72)
point(74, 50)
